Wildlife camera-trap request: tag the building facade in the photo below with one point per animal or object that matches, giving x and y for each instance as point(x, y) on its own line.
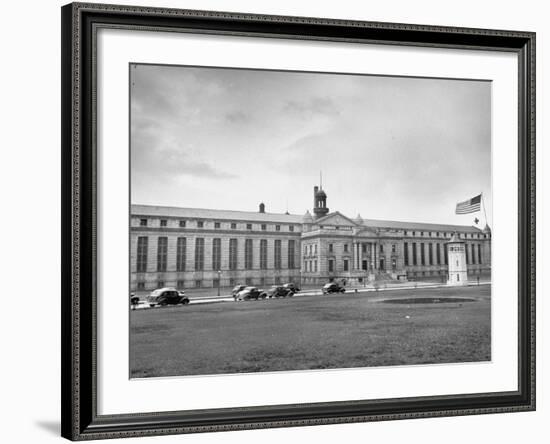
point(193, 248)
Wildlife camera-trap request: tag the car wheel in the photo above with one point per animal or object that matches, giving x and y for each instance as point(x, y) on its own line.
point(290, 294)
point(152, 305)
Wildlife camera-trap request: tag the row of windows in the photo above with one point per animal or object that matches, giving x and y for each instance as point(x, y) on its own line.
point(444, 234)
point(435, 258)
point(181, 254)
point(217, 225)
point(312, 248)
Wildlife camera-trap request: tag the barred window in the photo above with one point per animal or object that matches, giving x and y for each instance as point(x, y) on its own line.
point(162, 253)
point(232, 254)
point(415, 260)
point(142, 254)
point(217, 225)
point(248, 258)
point(438, 251)
point(233, 226)
point(249, 226)
point(181, 253)
point(406, 252)
point(291, 253)
point(264, 227)
point(143, 222)
point(446, 256)
point(182, 224)
point(216, 254)
point(163, 222)
point(431, 253)
point(479, 253)
point(200, 224)
point(199, 254)
point(277, 228)
point(277, 254)
point(422, 255)
point(263, 254)
point(473, 253)
point(467, 255)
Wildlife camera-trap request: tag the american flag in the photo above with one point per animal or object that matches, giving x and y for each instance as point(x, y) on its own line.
point(469, 206)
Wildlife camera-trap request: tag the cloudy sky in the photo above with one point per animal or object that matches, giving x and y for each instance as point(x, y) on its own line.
point(388, 147)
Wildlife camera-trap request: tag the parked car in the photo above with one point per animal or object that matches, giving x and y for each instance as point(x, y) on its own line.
point(292, 287)
point(236, 289)
point(333, 287)
point(279, 291)
point(166, 296)
point(250, 293)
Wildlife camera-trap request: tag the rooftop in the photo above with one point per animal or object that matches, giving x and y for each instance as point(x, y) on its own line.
point(256, 216)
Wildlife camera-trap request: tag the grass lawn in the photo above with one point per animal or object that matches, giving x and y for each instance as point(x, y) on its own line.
point(312, 332)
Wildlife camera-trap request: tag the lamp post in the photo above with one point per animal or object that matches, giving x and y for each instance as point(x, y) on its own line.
point(219, 281)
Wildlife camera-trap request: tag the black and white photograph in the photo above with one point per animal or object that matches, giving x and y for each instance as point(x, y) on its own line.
point(301, 221)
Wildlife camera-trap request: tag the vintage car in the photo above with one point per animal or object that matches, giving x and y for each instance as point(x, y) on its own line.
point(167, 296)
point(134, 300)
point(333, 287)
point(250, 293)
point(279, 291)
point(236, 289)
point(292, 287)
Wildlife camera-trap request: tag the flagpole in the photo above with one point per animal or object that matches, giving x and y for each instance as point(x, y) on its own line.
point(484, 210)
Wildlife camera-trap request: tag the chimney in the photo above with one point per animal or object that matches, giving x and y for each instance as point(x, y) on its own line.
point(262, 208)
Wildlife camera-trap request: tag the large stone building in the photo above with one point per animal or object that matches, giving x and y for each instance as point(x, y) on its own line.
point(190, 248)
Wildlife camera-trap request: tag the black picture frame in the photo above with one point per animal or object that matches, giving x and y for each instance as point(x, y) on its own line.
point(80, 420)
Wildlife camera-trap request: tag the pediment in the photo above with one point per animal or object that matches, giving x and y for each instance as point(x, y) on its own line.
point(336, 219)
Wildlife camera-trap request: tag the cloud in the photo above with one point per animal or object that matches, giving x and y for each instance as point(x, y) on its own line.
point(236, 117)
point(313, 106)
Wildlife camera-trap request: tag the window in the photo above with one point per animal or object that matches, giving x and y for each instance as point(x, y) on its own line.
point(181, 255)
point(142, 254)
point(473, 253)
point(232, 254)
point(479, 253)
point(262, 281)
point(143, 222)
point(406, 252)
point(330, 248)
point(381, 248)
point(431, 253)
point(438, 251)
point(315, 249)
point(160, 284)
point(248, 281)
point(263, 254)
point(233, 225)
point(216, 254)
point(364, 248)
point(405, 232)
point(217, 225)
point(346, 265)
point(199, 254)
point(277, 228)
point(393, 248)
point(163, 222)
point(446, 256)
point(330, 265)
point(421, 233)
point(198, 283)
point(249, 226)
point(162, 253)
point(315, 266)
point(291, 253)
point(180, 284)
point(182, 224)
point(467, 255)
point(200, 224)
point(232, 282)
point(414, 233)
point(277, 279)
point(415, 260)
point(141, 285)
point(345, 248)
point(264, 227)
point(277, 254)
point(248, 259)
point(422, 255)
point(291, 228)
